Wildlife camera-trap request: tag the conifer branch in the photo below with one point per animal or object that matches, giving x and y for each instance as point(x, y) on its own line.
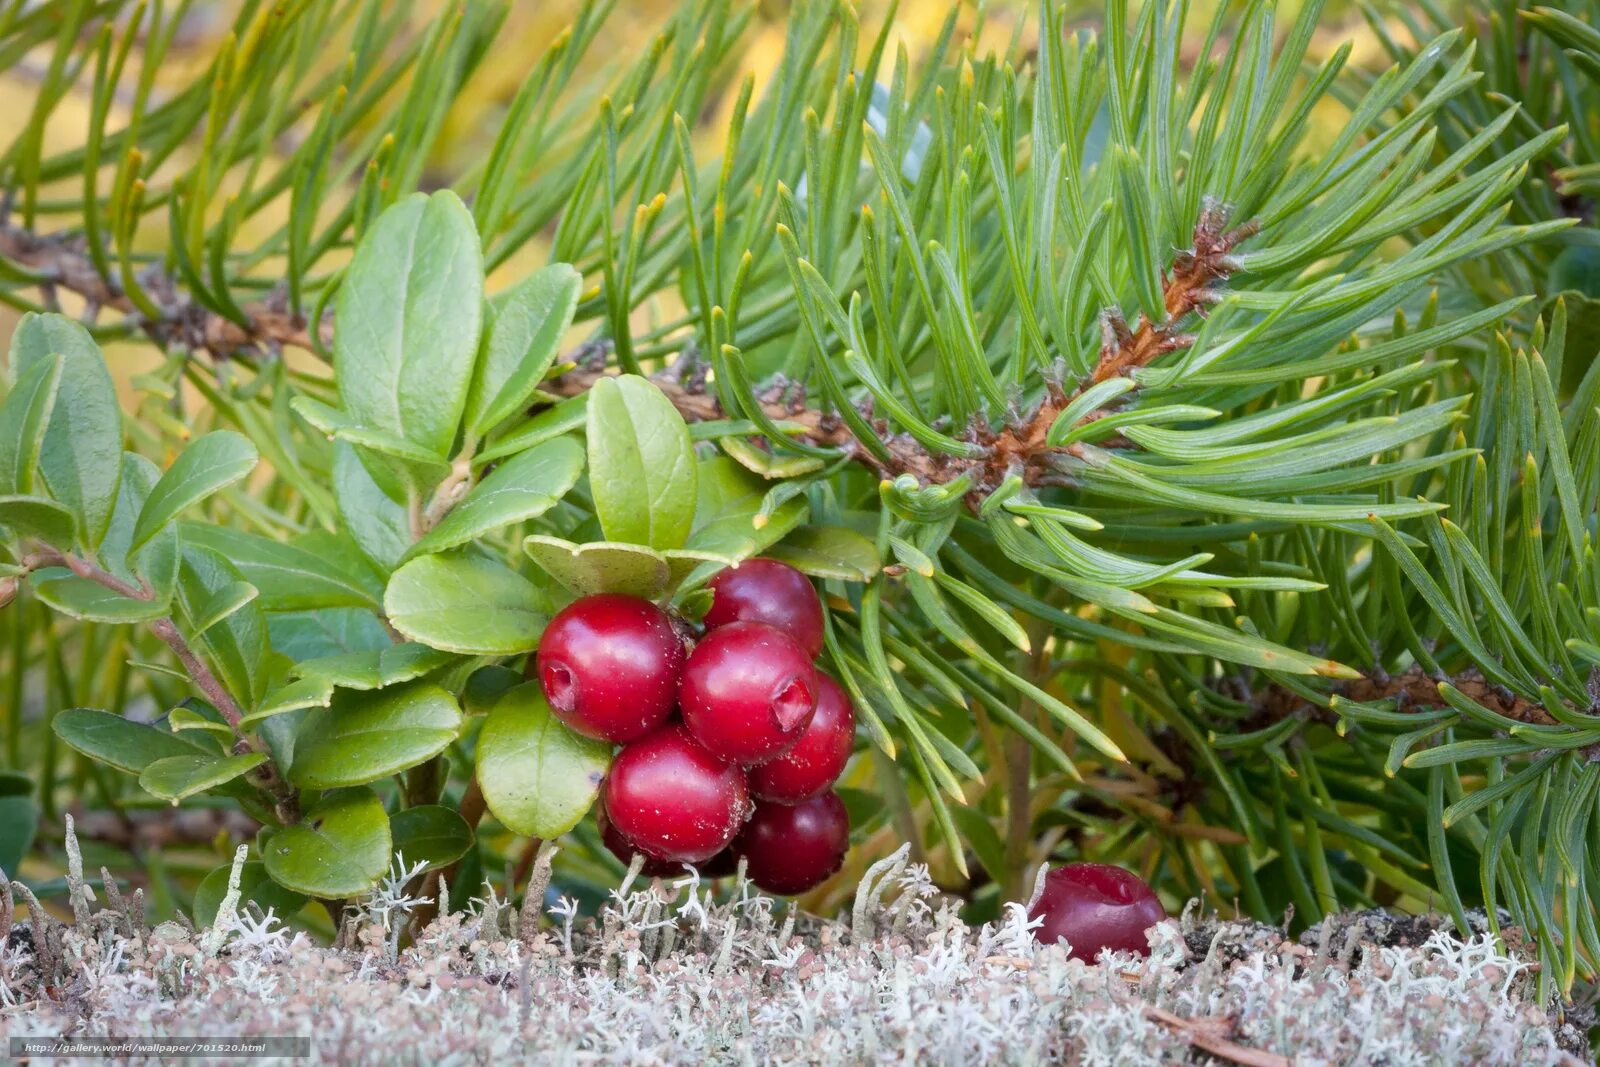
point(1188, 287)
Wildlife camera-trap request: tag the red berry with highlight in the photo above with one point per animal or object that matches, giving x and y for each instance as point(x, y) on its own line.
point(818, 758)
point(674, 800)
point(722, 864)
point(1096, 906)
point(765, 590)
point(610, 666)
point(748, 692)
point(624, 849)
point(789, 849)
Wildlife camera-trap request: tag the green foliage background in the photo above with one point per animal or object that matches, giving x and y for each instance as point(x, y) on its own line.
point(1197, 440)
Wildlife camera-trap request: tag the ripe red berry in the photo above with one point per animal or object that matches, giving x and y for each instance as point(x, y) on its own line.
point(748, 691)
point(818, 758)
point(673, 799)
point(610, 666)
point(789, 849)
point(764, 590)
point(1096, 906)
point(624, 850)
point(721, 865)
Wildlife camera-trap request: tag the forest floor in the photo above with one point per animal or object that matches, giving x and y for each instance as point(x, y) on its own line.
point(671, 973)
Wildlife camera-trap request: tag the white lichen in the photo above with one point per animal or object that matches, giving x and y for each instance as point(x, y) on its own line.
point(681, 972)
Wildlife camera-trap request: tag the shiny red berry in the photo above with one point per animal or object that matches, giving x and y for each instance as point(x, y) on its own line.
point(1096, 906)
point(748, 692)
point(624, 850)
point(764, 590)
point(610, 666)
point(673, 799)
point(818, 758)
point(721, 865)
point(789, 849)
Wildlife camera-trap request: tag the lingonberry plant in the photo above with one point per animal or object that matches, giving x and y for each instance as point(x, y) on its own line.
point(1131, 430)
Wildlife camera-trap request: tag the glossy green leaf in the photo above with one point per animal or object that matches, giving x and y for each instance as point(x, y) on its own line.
point(255, 887)
point(81, 458)
point(763, 462)
point(235, 645)
point(24, 417)
point(289, 578)
point(83, 598)
point(486, 685)
point(521, 488)
point(431, 834)
point(538, 777)
point(728, 517)
point(176, 777)
point(829, 552)
point(340, 848)
point(35, 516)
point(207, 465)
point(124, 744)
point(374, 668)
point(363, 736)
point(601, 566)
point(157, 562)
point(370, 514)
point(467, 604)
point(293, 696)
point(409, 313)
point(19, 822)
point(642, 471)
point(525, 328)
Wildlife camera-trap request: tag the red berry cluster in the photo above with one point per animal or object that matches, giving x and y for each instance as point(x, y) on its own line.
point(728, 751)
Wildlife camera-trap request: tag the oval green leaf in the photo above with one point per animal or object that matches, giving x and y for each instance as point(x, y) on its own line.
point(24, 417)
point(829, 552)
point(35, 516)
point(363, 736)
point(601, 566)
point(82, 598)
point(175, 777)
point(410, 310)
point(340, 848)
point(465, 604)
point(431, 834)
point(642, 470)
point(81, 457)
point(522, 488)
point(538, 777)
point(210, 463)
point(289, 577)
point(525, 329)
point(122, 743)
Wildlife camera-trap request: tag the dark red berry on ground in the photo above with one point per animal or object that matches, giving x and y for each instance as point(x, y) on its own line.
point(789, 849)
point(610, 666)
point(1096, 906)
point(673, 799)
point(748, 692)
point(818, 758)
point(764, 590)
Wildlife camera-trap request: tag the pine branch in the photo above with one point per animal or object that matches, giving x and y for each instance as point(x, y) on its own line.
point(1411, 690)
point(1189, 287)
point(62, 263)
